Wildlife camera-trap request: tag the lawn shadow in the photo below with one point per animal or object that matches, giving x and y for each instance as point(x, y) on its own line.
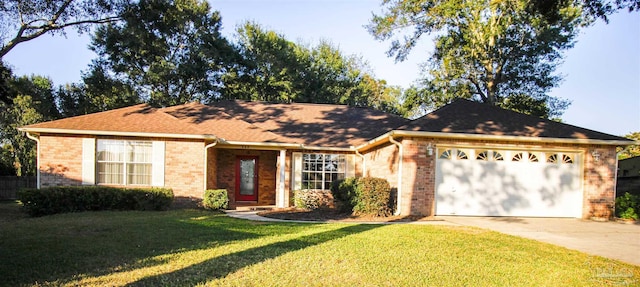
point(100, 243)
point(222, 266)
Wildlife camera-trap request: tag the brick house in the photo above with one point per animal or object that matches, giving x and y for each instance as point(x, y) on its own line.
point(465, 158)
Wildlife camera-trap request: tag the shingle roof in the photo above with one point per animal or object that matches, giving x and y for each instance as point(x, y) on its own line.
point(315, 124)
point(468, 117)
point(318, 125)
point(309, 124)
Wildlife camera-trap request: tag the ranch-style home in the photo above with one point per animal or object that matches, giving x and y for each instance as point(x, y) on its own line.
point(465, 158)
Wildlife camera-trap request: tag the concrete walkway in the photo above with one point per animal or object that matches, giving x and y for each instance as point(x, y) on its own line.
point(253, 215)
point(607, 239)
point(613, 240)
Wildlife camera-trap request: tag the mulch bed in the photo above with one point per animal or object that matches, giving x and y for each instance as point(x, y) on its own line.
point(335, 215)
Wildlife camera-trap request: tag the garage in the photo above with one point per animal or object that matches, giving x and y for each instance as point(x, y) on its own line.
point(508, 182)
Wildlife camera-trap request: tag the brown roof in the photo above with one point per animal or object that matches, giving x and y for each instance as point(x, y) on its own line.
point(315, 124)
point(468, 117)
point(318, 125)
point(309, 124)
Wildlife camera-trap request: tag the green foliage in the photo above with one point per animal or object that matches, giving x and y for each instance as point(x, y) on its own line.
point(275, 69)
point(53, 200)
point(170, 52)
point(488, 51)
point(344, 192)
point(373, 195)
point(32, 100)
point(215, 199)
point(628, 206)
point(630, 150)
point(551, 9)
point(311, 199)
point(364, 195)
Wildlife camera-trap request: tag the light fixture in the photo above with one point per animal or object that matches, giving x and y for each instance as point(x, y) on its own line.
point(596, 155)
point(430, 150)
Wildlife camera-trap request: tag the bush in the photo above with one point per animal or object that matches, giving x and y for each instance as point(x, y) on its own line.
point(365, 195)
point(344, 192)
point(373, 197)
point(628, 206)
point(215, 199)
point(52, 200)
point(311, 199)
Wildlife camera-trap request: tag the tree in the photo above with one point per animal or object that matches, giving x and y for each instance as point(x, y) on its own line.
point(489, 51)
point(33, 101)
point(98, 92)
point(630, 150)
point(170, 52)
point(275, 69)
point(550, 9)
point(21, 21)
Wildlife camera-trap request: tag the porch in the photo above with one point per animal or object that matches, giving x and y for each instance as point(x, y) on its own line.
point(253, 178)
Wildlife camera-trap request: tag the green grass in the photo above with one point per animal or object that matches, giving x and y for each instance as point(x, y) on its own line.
point(193, 247)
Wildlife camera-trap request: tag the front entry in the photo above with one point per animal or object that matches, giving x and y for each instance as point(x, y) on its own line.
point(247, 178)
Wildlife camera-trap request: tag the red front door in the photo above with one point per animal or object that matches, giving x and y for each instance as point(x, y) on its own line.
point(247, 178)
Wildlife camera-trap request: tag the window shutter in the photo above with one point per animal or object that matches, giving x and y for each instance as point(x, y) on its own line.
point(296, 173)
point(88, 161)
point(351, 165)
point(157, 164)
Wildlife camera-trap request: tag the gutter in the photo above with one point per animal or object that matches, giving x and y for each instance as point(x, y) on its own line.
point(364, 162)
point(206, 172)
point(401, 133)
point(37, 140)
point(399, 187)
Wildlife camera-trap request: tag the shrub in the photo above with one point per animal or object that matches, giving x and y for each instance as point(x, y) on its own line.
point(215, 199)
point(365, 195)
point(373, 196)
point(344, 192)
point(628, 206)
point(52, 200)
point(311, 199)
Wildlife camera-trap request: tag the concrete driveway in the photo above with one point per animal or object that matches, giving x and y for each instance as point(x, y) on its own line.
point(607, 239)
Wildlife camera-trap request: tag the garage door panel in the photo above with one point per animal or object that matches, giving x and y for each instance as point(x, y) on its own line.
point(508, 188)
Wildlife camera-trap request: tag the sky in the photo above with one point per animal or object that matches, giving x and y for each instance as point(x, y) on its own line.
point(601, 72)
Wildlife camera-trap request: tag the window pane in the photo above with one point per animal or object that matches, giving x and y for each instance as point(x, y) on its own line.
point(110, 173)
point(139, 173)
point(139, 152)
point(319, 170)
point(109, 150)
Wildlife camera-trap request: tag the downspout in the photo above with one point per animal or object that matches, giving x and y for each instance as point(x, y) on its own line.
point(364, 163)
point(206, 170)
point(37, 140)
point(399, 187)
point(615, 186)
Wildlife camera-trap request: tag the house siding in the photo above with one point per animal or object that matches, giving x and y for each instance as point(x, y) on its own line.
point(184, 168)
point(60, 160)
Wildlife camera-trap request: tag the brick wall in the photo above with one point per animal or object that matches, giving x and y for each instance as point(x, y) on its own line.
point(226, 173)
point(60, 160)
point(599, 182)
point(184, 168)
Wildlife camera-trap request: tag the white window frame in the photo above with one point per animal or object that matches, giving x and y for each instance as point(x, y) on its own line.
point(126, 147)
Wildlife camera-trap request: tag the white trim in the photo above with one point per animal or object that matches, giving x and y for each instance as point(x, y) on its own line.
point(157, 163)
point(280, 197)
point(37, 140)
point(88, 161)
point(399, 184)
point(115, 133)
point(383, 138)
point(296, 171)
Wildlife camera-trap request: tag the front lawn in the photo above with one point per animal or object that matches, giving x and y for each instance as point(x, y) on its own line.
point(194, 247)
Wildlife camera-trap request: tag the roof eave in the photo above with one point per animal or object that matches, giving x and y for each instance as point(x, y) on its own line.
point(402, 133)
point(116, 133)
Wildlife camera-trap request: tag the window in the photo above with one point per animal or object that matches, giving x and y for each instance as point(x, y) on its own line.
point(124, 162)
point(319, 170)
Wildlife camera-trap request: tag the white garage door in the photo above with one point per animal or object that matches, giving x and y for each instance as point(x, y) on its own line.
point(498, 182)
